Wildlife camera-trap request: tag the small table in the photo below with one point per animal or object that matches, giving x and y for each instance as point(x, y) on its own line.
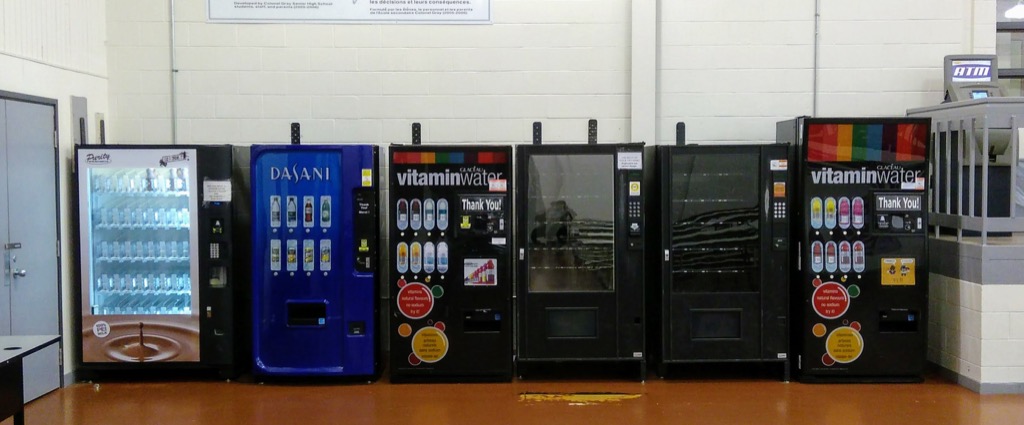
point(12, 388)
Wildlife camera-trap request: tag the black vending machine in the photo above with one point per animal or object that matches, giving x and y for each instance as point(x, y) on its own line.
point(580, 246)
point(450, 278)
point(723, 290)
point(860, 292)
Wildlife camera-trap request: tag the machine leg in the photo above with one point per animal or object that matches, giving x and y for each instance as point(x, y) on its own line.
point(785, 371)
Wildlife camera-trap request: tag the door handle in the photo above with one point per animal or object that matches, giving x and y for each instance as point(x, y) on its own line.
point(19, 273)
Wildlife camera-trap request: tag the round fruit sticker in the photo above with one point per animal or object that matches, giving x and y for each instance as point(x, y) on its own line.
point(414, 300)
point(429, 344)
point(844, 344)
point(830, 300)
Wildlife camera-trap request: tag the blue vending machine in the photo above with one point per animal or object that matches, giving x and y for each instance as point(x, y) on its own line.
point(315, 282)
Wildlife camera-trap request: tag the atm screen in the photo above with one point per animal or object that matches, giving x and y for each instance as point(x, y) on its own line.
point(979, 94)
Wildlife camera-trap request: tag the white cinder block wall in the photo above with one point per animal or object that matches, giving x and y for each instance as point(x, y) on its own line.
point(732, 70)
point(55, 49)
point(559, 61)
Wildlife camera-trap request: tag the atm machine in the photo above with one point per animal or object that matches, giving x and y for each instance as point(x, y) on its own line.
point(972, 130)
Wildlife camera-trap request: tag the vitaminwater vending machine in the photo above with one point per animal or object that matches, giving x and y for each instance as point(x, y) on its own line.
point(315, 236)
point(860, 292)
point(156, 262)
point(450, 279)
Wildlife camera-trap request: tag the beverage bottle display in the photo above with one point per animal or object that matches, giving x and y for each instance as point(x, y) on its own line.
point(817, 256)
point(845, 257)
point(416, 258)
point(830, 212)
point(307, 211)
point(402, 217)
point(292, 212)
point(442, 257)
point(858, 256)
point(183, 177)
point(403, 257)
point(325, 255)
point(428, 257)
point(415, 214)
point(275, 211)
point(858, 212)
point(275, 254)
point(830, 256)
point(308, 255)
point(428, 214)
point(325, 211)
point(844, 212)
point(151, 184)
point(442, 214)
point(292, 255)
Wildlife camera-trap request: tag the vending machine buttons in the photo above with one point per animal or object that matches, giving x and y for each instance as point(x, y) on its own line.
point(816, 213)
point(428, 214)
point(830, 213)
point(442, 214)
point(845, 257)
point(779, 209)
point(415, 214)
point(830, 257)
point(844, 212)
point(402, 216)
point(858, 212)
point(428, 257)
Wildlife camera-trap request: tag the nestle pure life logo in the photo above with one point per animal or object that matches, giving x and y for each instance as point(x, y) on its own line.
point(974, 71)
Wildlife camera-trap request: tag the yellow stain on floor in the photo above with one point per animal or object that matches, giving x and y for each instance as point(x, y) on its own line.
point(577, 399)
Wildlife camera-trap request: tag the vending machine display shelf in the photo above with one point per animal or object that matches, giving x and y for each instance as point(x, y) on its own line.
point(141, 227)
point(712, 201)
point(141, 194)
point(682, 247)
point(122, 260)
point(582, 248)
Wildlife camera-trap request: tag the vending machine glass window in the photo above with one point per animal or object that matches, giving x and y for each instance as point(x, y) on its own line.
point(139, 225)
point(715, 225)
point(572, 228)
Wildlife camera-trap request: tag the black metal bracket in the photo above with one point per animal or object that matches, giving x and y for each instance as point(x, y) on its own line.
point(81, 131)
point(103, 132)
point(417, 137)
point(592, 132)
point(296, 134)
point(680, 133)
point(537, 132)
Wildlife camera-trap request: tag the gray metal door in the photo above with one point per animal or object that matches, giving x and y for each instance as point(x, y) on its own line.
point(30, 239)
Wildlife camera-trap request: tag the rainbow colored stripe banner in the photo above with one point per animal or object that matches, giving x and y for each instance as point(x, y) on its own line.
point(892, 142)
point(437, 157)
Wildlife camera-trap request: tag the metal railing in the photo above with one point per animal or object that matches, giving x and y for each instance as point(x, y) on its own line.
point(948, 169)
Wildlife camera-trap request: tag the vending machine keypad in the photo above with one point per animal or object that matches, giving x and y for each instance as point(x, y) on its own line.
point(779, 209)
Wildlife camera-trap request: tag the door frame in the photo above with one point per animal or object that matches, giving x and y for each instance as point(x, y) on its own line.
point(19, 97)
